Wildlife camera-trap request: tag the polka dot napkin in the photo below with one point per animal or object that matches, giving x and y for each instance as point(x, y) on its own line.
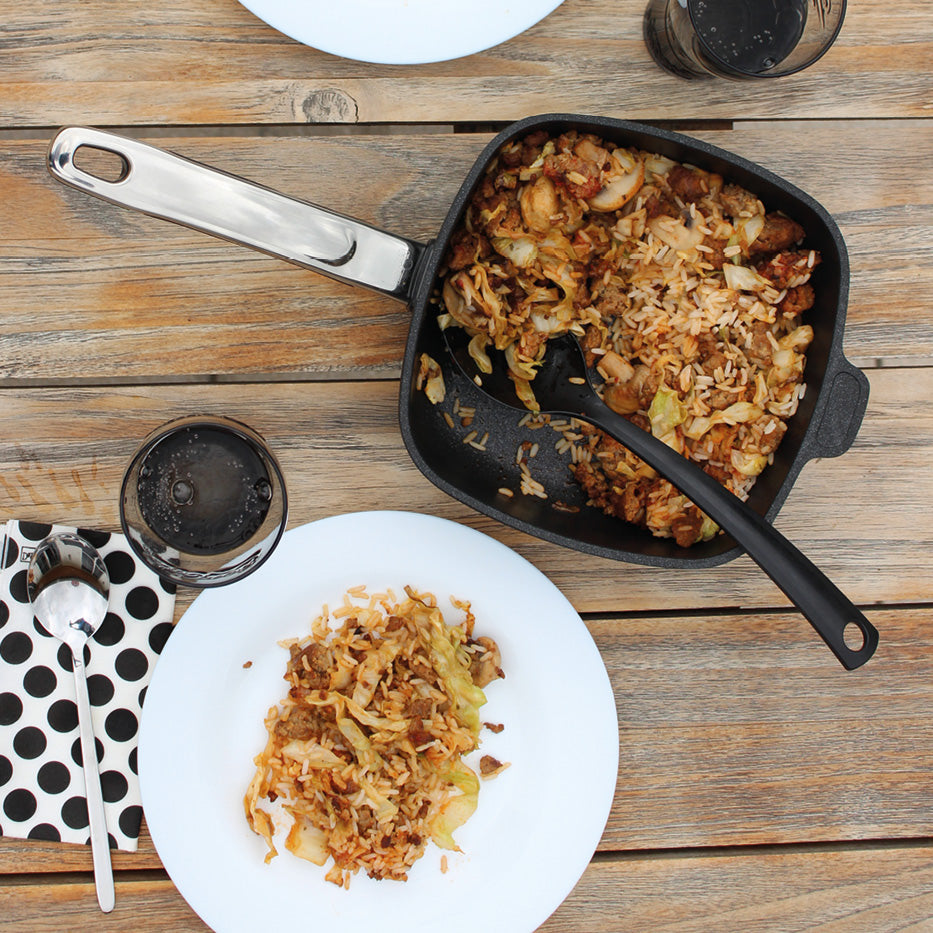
point(42, 792)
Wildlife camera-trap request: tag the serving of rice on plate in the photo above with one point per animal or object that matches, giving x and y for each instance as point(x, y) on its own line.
point(688, 296)
point(365, 754)
point(207, 718)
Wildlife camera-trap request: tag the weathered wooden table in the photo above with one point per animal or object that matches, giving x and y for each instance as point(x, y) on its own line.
point(760, 785)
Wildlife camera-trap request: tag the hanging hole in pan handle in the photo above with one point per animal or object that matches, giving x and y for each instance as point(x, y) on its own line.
point(104, 164)
point(171, 187)
point(854, 637)
point(859, 640)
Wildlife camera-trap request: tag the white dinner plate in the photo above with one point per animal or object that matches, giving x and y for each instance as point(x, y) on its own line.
point(401, 32)
point(537, 823)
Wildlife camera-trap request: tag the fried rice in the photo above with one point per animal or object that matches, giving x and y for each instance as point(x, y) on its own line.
point(365, 754)
point(687, 295)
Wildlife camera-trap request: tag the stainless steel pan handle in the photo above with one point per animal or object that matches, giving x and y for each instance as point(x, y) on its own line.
point(173, 188)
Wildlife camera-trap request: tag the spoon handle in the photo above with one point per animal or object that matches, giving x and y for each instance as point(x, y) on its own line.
point(100, 844)
point(827, 609)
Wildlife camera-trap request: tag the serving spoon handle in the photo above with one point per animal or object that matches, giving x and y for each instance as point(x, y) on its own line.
point(562, 386)
point(835, 618)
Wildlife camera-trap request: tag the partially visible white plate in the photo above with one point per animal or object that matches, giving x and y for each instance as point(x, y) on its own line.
point(537, 823)
point(401, 32)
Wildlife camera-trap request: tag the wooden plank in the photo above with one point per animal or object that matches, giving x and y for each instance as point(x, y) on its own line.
point(31, 856)
point(87, 62)
point(830, 890)
point(51, 906)
point(734, 730)
point(63, 453)
point(89, 290)
point(737, 730)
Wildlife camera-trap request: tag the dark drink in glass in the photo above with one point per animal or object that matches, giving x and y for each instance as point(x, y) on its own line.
point(203, 501)
point(740, 38)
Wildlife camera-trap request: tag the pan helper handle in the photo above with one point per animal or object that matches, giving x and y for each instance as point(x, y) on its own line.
point(174, 188)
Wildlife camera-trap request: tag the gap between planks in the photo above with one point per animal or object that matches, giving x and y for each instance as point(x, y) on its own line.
point(149, 875)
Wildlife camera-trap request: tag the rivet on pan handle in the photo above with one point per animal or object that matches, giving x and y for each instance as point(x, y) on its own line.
point(173, 188)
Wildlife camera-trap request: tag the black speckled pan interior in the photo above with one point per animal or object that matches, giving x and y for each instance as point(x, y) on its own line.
point(824, 425)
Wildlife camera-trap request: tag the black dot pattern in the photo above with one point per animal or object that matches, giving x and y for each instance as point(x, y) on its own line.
point(42, 792)
point(11, 708)
point(29, 743)
point(54, 777)
point(40, 681)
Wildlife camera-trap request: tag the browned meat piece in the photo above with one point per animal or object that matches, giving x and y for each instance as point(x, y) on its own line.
point(710, 356)
point(798, 299)
point(610, 300)
point(779, 232)
point(719, 399)
point(511, 156)
point(312, 665)
point(532, 145)
point(641, 421)
point(760, 349)
point(592, 338)
point(303, 722)
point(656, 206)
point(420, 736)
point(634, 499)
point(422, 670)
point(786, 268)
point(688, 184)
point(609, 451)
point(717, 257)
point(769, 443)
point(485, 666)
point(422, 708)
point(488, 764)
point(601, 492)
point(686, 527)
point(499, 204)
point(530, 342)
point(582, 298)
point(578, 177)
point(467, 248)
point(737, 202)
point(496, 727)
point(719, 473)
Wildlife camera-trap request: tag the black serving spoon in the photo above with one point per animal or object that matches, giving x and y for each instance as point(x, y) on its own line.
point(562, 386)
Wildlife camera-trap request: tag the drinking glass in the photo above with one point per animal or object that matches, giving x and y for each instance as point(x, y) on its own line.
point(740, 38)
point(203, 501)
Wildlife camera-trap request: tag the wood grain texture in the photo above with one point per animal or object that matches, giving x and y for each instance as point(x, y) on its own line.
point(150, 905)
point(89, 290)
point(34, 856)
point(734, 730)
point(211, 61)
point(761, 787)
point(820, 890)
point(63, 452)
point(869, 890)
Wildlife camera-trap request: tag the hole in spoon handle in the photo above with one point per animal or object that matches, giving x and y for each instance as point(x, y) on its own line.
point(859, 640)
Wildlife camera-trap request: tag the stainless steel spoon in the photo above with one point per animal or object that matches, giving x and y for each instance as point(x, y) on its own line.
point(69, 588)
point(562, 386)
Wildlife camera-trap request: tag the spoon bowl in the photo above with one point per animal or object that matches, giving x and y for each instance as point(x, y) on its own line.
point(69, 588)
point(563, 386)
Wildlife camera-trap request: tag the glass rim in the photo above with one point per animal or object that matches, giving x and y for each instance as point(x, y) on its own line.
point(771, 73)
point(202, 579)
